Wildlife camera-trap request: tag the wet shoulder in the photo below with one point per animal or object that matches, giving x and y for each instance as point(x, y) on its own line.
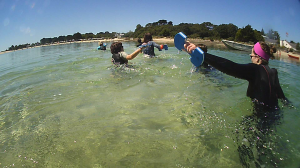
point(123, 54)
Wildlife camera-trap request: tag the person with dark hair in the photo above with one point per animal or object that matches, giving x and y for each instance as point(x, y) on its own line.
point(121, 57)
point(149, 50)
point(255, 131)
point(139, 42)
point(102, 46)
point(264, 88)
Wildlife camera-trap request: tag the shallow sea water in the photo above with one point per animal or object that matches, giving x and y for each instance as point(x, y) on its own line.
point(68, 106)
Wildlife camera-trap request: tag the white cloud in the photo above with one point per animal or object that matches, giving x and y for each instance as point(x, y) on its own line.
point(6, 22)
point(25, 30)
point(32, 6)
point(13, 7)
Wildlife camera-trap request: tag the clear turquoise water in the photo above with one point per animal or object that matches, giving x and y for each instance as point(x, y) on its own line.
point(67, 106)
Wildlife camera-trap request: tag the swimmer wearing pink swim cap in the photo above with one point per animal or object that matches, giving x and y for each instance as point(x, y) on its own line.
point(264, 88)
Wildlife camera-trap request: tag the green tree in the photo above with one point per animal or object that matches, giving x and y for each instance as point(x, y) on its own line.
point(248, 34)
point(186, 29)
point(55, 39)
point(298, 46)
point(69, 37)
point(149, 25)
point(165, 32)
point(245, 34)
point(12, 47)
point(138, 27)
point(276, 35)
point(221, 31)
point(89, 35)
point(61, 38)
point(162, 22)
point(45, 41)
point(209, 25)
point(239, 35)
point(258, 36)
point(231, 30)
point(262, 32)
point(129, 34)
point(77, 36)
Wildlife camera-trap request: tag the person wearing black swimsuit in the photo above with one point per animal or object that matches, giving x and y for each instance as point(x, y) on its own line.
point(264, 88)
point(119, 56)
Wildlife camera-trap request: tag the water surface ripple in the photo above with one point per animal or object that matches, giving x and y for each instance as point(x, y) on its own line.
point(67, 106)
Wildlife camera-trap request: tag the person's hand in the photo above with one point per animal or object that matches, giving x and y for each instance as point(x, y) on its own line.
point(189, 47)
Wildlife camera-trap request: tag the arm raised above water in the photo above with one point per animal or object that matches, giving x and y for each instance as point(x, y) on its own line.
point(242, 71)
point(134, 54)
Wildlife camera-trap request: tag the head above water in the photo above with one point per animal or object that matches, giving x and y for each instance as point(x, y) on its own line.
point(147, 37)
point(261, 53)
point(139, 40)
point(116, 47)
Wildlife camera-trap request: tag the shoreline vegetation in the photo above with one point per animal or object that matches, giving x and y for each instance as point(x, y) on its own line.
point(163, 31)
point(164, 40)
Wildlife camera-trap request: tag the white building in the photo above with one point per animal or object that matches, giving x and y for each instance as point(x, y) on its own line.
point(119, 35)
point(286, 44)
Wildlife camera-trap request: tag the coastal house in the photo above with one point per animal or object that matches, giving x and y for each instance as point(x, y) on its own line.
point(119, 35)
point(270, 41)
point(286, 44)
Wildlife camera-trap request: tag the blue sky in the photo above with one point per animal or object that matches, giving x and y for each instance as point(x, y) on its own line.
point(28, 21)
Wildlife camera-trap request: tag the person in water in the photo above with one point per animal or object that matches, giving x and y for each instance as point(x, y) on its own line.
point(139, 42)
point(149, 50)
point(102, 46)
point(264, 88)
point(121, 57)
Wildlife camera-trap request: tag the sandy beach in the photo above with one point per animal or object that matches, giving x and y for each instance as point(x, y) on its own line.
point(216, 44)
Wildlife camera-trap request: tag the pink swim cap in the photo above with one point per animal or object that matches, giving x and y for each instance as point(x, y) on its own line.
point(260, 52)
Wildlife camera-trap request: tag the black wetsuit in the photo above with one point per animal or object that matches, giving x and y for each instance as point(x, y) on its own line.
point(102, 47)
point(117, 59)
point(263, 88)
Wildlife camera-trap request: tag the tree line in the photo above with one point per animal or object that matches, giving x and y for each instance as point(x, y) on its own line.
point(205, 30)
point(164, 28)
point(69, 38)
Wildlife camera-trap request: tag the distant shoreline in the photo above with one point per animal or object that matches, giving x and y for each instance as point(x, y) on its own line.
point(157, 40)
point(208, 43)
point(83, 41)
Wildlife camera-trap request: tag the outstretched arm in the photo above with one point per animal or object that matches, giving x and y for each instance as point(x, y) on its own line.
point(155, 45)
point(134, 54)
point(242, 71)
